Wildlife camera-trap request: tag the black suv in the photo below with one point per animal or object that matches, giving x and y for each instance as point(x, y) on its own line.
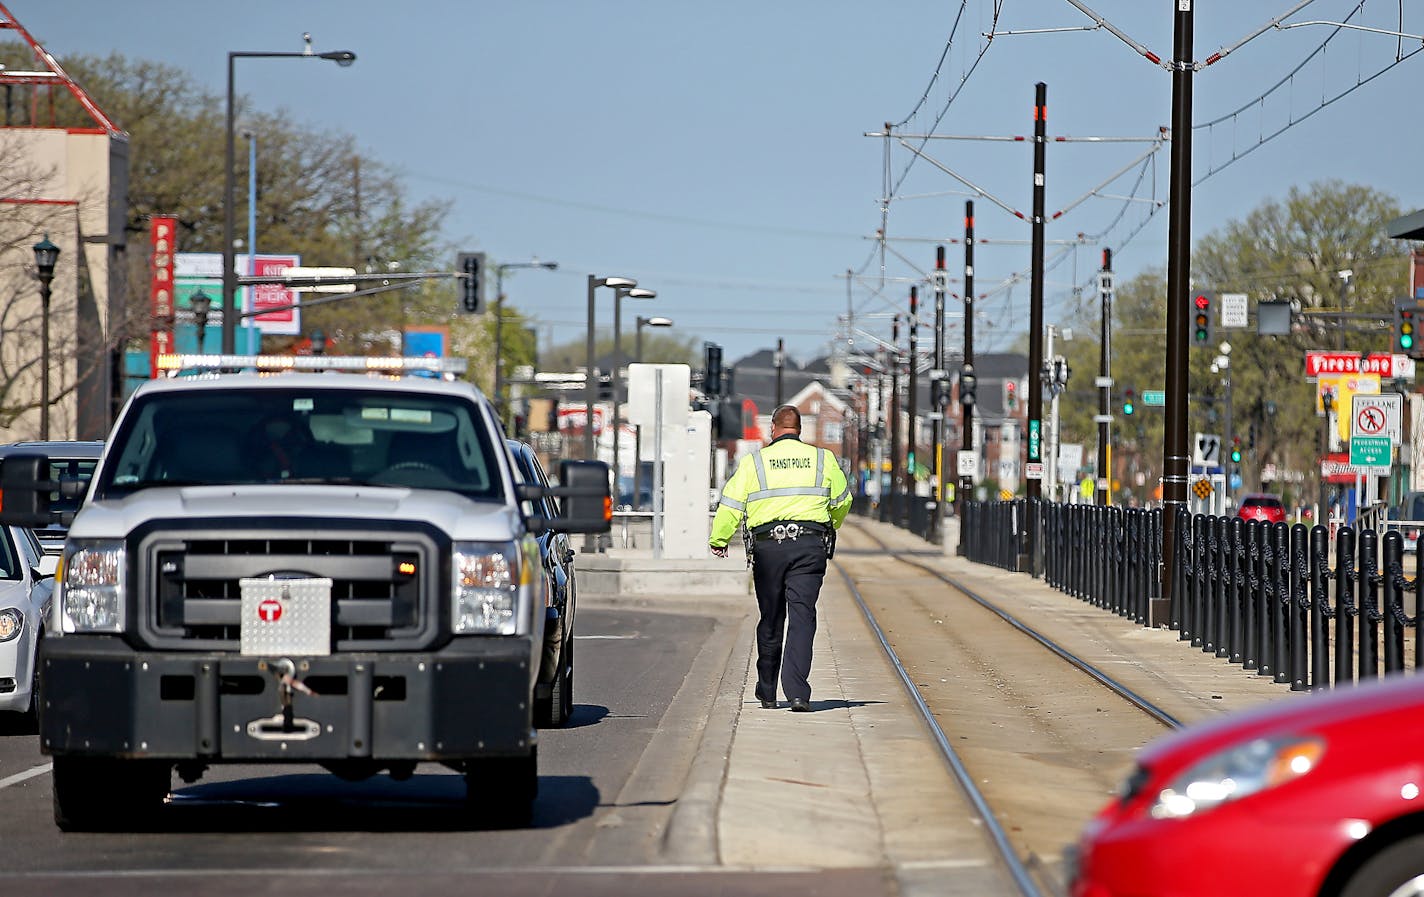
point(554, 689)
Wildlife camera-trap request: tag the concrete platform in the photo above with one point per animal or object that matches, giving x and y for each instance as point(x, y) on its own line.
point(634, 571)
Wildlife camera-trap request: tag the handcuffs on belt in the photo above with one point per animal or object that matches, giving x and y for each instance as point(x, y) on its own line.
point(793, 531)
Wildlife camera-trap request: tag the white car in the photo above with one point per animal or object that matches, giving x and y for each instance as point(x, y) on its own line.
point(26, 588)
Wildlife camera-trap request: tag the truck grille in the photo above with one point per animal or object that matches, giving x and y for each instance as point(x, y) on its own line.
point(384, 584)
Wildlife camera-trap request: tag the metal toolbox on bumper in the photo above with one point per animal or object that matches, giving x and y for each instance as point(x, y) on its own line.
point(103, 698)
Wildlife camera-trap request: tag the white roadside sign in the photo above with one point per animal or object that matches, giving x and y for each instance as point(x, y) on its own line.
point(1377, 415)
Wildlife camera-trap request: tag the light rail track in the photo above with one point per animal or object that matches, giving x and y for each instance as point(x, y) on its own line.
point(1017, 868)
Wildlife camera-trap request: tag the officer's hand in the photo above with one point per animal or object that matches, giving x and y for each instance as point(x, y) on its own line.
point(719, 551)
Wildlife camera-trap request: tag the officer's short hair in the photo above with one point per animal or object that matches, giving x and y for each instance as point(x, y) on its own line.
point(786, 417)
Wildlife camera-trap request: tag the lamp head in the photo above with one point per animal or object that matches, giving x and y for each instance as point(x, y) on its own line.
point(656, 322)
point(343, 58)
point(201, 303)
point(46, 256)
point(641, 294)
point(618, 283)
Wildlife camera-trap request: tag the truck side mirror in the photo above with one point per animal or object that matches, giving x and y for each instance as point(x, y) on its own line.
point(587, 498)
point(25, 489)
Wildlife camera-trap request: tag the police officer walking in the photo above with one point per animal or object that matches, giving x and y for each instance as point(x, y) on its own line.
point(794, 496)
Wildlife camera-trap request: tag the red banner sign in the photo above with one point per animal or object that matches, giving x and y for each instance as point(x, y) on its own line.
point(163, 236)
point(1336, 468)
point(1318, 363)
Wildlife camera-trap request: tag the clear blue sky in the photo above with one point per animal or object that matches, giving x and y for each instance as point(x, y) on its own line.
point(715, 151)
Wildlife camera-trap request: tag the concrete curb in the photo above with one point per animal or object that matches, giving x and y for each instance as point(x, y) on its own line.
point(691, 834)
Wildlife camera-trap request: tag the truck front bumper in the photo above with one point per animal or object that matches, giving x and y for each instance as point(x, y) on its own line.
point(103, 698)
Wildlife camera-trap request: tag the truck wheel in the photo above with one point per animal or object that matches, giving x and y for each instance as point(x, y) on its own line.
point(553, 712)
point(565, 693)
point(1396, 871)
point(500, 791)
point(102, 794)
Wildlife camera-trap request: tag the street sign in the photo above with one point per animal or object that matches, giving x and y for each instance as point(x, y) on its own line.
point(1202, 488)
point(1206, 450)
point(1154, 397)
point(1320, 363)
point(1233, 310)
point(967, 463)
point(1033, 470)
point(1370, 451)
point(1034, 444)
point(1377, 415)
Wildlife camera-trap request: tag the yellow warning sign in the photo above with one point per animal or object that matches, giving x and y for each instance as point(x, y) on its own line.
point(1202, 488)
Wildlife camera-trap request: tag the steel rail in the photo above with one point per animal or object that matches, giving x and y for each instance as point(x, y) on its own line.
point(1016, 867)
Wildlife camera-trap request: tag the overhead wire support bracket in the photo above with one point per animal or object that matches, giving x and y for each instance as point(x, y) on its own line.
point(1273, 23)
point(1118, 33)
point(963, 180)
point(1386, 32)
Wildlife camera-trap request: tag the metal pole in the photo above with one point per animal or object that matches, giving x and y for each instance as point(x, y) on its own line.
point(499, 341)
point(1050, 465)
point(1104, 471)
point(1229, 442)
point(44, 351)
point(613, 380)
point(590, 395)
point(229, 275)
point(938, 411)
point(1033, 486)
point(638, 430)
point(658, 463)
point(895, 470)
point(1179, 253)
point(912, 401)
point(966, 437)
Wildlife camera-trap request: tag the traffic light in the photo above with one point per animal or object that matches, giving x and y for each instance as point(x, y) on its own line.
point(1202, 308)
point(1408, 315)
point(605, 387)
point(1011, 395)
point(712, 369)
point(1236, 450)
point(939, 395)
point(471, 266)
point(1128, 397)
point(967, 383)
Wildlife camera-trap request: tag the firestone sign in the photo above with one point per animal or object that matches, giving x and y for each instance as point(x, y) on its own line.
point(1387, 366)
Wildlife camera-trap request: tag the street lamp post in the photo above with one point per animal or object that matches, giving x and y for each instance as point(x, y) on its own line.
point(638, 433)
point(615, 381)
point(229, 291)
point(590, 393)
point(201, 304)
point(499, 325)
point(46, 256)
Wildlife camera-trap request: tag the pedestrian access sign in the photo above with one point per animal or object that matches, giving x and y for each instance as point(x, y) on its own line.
point(1370, 451)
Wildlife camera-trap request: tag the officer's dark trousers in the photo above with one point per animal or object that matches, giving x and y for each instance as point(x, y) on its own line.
point(788, 578)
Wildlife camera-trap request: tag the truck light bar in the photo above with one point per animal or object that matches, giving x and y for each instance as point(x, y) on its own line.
point(172, 364)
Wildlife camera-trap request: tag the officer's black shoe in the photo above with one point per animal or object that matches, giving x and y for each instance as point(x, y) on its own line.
point(768, 705)
point(800, 705)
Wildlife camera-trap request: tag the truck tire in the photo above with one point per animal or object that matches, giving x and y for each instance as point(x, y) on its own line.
point(500, 791)
point(1396, 871)
point(102, 794)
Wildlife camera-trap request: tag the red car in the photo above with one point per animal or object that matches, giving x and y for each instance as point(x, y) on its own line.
point(1261, 506)
point(1312, 796)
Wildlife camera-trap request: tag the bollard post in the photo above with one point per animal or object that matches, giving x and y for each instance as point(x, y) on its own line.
point(1212, 584)
point(1236, 539)
point(1299, 604)
point(1280, 608)
point(1392, 600)
point(1265, 599)
point(1368, 578)
point(1224, 559)
point(1344, 605)
point(1201, 560)
point(1249, 657)
point(1320, 609)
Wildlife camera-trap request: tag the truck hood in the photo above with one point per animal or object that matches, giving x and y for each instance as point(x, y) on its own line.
point(460, 517)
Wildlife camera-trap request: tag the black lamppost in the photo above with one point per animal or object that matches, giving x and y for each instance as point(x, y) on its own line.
point(202, 304)
point(229, 290)
point(318, 342)
point(46, 256)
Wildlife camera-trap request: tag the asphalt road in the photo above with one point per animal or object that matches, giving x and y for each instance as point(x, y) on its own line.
point(607, 785)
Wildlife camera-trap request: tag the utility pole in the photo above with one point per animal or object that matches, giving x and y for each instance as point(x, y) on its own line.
point(1105, 383)
point(1175, 456)
point(896, 473)
point(1034, 484)
point(938, 389)
point(966, 436)
point(912, 402)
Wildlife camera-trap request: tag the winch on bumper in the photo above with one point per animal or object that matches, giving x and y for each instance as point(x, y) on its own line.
point(103, 698)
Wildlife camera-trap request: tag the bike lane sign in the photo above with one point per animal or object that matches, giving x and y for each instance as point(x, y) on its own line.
point(1376, 416)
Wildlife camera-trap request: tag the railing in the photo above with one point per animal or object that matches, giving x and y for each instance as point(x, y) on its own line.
point(1265, 596)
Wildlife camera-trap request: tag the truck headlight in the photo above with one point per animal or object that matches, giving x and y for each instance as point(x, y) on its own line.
point(12, 622)
point(92, 587)
point(486, 579)
point(1236, 772)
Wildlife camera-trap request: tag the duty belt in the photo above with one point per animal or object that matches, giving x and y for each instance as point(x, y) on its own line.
point(783, 531)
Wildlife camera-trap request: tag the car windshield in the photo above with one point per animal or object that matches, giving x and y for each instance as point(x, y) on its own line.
point(262, 435)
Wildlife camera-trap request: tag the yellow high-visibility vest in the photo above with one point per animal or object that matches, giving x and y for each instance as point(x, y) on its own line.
point(787, 480)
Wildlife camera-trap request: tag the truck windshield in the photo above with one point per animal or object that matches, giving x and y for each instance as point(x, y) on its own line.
point(266, 435)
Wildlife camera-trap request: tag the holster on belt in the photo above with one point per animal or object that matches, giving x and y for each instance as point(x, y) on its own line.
point(747, 543)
